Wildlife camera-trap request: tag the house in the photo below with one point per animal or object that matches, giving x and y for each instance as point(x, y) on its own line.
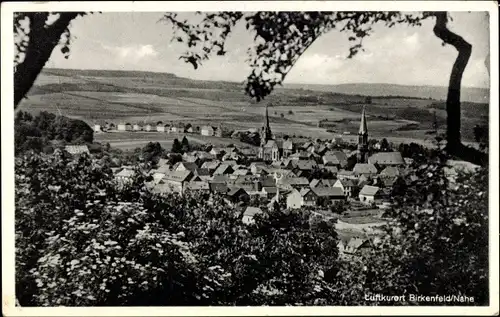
point(328, 194)
point(343, 174)
point(97, 128)
point(322, 183)
point(369, 194)
point(77, 149)
point(125, 175)
point(352, 246)
point(387, 159)
point(199, 186)
point(257, 168)
point(249, 213)
point(190, 158)
point(390, 171)
point(331, 160)
point(207, 130)
point(124, 127)
point(218, 188)
point(288, 148)
point(136, 127)
point(211, 166)
point(148, 128)
point(290, 183)
point(237, 195)
point(305, 197)
point(341, 157)
point(365, 169)
point(162, 128)
point(319, 149)
point(348, 186)
point(185, 166)
point(223, 169)
point(269, 192)
point(176, 181)
point(248, 183)
point(242, 172)
point(305, 165)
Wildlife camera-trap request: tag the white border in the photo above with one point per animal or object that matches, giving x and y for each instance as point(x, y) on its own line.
point(7, 125)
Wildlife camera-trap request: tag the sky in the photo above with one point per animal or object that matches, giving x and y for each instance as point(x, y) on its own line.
point(399, 55)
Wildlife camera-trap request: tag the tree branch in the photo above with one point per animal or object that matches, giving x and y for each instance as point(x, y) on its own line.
point(42, 41)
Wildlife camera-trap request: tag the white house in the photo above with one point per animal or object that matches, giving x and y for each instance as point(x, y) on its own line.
point(161, 128)
point(97, 128)
point(121, 127)
point(137, 127)
point(207, 130)
point(369, 194)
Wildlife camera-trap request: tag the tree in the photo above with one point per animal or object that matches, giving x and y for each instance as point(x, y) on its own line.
point(37, 34)
point(176, 147)
point(152, 152)
point(384, 144)
point(282, 37)
point(185, 145)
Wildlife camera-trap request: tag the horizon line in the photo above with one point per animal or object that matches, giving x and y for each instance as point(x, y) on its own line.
point(282, 86)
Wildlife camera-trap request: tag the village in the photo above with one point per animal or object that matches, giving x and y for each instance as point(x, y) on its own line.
point(327, 178)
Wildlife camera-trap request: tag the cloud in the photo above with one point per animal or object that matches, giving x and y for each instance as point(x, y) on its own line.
point(135, 52)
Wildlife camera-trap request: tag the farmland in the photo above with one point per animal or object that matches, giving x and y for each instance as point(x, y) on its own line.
point(142, 97)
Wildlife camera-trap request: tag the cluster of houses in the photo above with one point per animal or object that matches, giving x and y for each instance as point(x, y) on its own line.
point(161, 127)
point(313, 175)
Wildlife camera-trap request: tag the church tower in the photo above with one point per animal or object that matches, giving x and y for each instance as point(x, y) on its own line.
point(266, 133)
point(362, 139)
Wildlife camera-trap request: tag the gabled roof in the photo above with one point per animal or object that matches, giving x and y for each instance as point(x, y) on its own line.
point(332, 159)
point(190, 166)
point(229, 162)
point(198, 185)
point(314, 183)
point(177, 176)
point(293, 181)
point(270, 190)
point(345, 173)
point(355, 243)
point(220, 178)
point(236, 190)
point(392, 158)
point(364, 168)
point(223, 169)
point(328, 191)
point(202, 171)
point(305, 191)
point(241, 171)
point(252, 211)
point(347, 182)
point(390, 171)
point(305, 165)
point(77, 149)
point(218, 188)
point(211, 165)
point(368, 190)
point(125, 173)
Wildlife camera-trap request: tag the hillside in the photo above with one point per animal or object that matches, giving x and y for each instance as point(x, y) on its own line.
point(480, 95)
point(132, 96)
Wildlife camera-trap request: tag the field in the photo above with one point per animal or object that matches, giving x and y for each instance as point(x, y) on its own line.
point(142, 97)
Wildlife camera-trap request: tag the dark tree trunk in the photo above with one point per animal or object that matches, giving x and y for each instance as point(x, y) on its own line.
point(464, 49)
point(42, 41)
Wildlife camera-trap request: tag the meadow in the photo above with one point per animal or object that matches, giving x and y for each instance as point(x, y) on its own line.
point(141, 97)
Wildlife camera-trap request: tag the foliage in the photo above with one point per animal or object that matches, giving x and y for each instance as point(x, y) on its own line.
point(481, 136)
point(152, 152)
point(83, 240)
point(36, 133)
point(176, 146)
point(438, 243)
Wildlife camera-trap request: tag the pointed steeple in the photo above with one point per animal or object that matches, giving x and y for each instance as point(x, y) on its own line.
point(362, 127)
point(266, 130)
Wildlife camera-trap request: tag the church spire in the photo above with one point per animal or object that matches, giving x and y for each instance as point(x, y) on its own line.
point(362, 127)
point(266, 130)
point(362, 139)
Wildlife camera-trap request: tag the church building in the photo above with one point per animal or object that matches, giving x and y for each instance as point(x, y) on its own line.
point(270, 149)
